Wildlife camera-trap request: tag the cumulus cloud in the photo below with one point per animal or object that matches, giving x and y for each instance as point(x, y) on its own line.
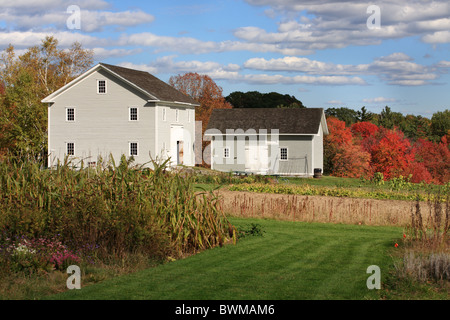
point(397, 68)
point(103, 53)
point(25, 39)
point(189, 45)
point(233, 73)
point(341, 23)
point(39, 15)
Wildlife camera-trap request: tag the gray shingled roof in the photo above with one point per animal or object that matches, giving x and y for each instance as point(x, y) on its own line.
point(286, 120)
point(151, 84)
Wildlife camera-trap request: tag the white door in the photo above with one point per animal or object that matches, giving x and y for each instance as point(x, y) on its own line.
point(176, 145)
point(257, 159)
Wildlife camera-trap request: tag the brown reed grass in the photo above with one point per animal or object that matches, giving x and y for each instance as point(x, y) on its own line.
point(317, 208)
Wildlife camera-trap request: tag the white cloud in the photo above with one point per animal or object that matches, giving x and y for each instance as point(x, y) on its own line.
point(335, 102)
point(379, 100)
point(40, 15)
point(96, 20)
point(305, 65)
point(102, 53)
point(397, 68)
point(233, 73)
point(341, 23)
point(189, 45)
point(27, 39)
point(437, 37)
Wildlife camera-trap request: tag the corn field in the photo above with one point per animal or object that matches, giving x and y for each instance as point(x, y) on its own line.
point(119, 208)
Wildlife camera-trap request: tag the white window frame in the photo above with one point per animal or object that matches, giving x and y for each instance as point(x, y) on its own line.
point(226, 152)
point(98, 86)
point(67, 114)
point(129, 149)
point(67, 148)
point(281, 154)
point(129, 114)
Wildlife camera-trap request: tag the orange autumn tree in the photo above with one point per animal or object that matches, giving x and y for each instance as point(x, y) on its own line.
point(344, 156)
point(393, 154)
point(204, 90)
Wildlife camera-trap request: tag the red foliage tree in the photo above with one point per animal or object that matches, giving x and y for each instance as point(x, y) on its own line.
point(392, 153)
point(344, 155)
point(364, 148)
point(435, 157)
point(364, 129)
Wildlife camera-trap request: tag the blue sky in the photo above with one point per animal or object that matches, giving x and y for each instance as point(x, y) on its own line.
point(322, 52)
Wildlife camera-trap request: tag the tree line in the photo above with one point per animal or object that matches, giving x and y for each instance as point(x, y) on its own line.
point(414, 127)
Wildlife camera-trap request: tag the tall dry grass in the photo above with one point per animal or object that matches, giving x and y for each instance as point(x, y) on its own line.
point(426, 243)
point(316, 208)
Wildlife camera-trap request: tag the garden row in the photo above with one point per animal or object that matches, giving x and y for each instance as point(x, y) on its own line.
point(310, 190)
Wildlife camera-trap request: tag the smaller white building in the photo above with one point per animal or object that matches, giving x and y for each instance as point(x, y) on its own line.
point(111, 110)
point(274, 141)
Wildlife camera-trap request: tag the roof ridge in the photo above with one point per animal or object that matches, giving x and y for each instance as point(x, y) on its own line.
point(151, 84)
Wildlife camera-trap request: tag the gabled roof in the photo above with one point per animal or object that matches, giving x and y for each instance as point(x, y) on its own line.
point(154, 88)
point(304, 121)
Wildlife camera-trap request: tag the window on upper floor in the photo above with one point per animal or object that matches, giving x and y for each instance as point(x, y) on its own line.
point(70, 114)
point(133, 114)
point(101, 86)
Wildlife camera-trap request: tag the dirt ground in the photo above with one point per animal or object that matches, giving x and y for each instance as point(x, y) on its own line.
point(320, 209)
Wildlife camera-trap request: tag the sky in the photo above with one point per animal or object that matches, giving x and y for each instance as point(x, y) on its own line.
point(327, 54)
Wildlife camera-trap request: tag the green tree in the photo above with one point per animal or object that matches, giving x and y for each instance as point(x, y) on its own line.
point(255, 99)
point(440, 125)
point(364, 115)
point(349, 116)
point(27, 79)
point(389, 119)
point(415, 127)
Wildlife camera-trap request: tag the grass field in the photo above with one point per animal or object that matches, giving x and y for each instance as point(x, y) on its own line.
point(289, 261)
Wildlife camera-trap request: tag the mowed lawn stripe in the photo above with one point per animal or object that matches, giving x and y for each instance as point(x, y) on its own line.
point(292, 260)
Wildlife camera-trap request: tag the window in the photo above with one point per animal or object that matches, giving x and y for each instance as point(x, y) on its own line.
point(101, 86)
point(70, 114)
point(283, 153)
point(164, 114)
point(226, 152)
point(133, 148)
point(70, 148)
point(133, 114)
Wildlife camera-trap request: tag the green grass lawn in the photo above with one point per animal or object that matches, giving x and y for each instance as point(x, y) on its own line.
point(292, 260)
